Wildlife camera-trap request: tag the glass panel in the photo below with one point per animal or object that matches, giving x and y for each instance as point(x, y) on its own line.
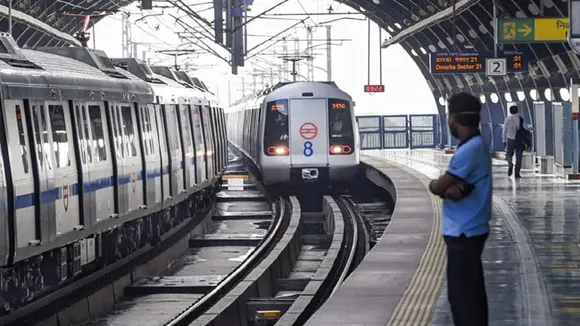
point(59, 136)
point(22, 137)
point(98, 129)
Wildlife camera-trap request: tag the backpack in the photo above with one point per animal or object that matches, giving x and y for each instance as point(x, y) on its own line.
point(524, 139)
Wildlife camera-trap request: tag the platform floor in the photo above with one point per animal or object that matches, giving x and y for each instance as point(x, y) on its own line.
point(532, 258)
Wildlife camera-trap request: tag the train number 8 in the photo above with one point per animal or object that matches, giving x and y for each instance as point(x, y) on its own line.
point(308, 151)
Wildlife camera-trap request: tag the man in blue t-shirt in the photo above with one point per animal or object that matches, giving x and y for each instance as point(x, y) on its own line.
point(466, 192)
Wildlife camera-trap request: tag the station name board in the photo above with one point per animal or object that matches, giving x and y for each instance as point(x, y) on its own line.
point(474, 63)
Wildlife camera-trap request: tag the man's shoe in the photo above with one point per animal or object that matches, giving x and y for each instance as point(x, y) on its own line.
point(518, 176)
point(510, 170)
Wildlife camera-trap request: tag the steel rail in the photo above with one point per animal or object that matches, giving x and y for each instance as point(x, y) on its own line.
point(195, 310)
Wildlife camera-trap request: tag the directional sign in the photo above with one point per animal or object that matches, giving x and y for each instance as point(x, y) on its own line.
point(308, 131)
point(495, 66)
point(525, 30)
point(474, 63)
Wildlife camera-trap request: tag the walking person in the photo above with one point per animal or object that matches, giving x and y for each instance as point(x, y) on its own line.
point(466, 189)
point(510, 128)
point(523, 143)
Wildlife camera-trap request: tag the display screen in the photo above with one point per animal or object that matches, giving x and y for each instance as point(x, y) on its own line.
point(338, 105)
point(278, 107)
point(374, 88)
point(473, 63)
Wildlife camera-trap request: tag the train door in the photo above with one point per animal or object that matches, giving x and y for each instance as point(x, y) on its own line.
point(166, 169)
point(100, 193)
point(188, 155)
point(174, 149)
point(119, 161)
point(65, 183)
point(150, 164)
point(155, 155)
point(209, 148)
point(44, 168)
point(27, 229)
point(308, 132)
point(4, 224)
point(133, 174)
point(199, 144)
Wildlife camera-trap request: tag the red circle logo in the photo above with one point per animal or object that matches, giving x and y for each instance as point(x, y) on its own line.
point(308, 131)
point(134, 180)
point(65, 190)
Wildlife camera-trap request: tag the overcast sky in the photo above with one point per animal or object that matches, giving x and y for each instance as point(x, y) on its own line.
point(405, 88)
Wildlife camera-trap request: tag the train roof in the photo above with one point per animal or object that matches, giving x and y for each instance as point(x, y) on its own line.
point(265, 92)
point(41, 74)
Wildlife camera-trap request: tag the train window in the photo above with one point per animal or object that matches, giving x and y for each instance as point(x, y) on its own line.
point(81, 134)
point(340, 125)
point(118, 133)
point(129, 128)
point(45, 140)
point(339, 118)
point(59, 136)
point(197, 129)
point(276, 126)
point(185, 126)
point(87, 132)
point(151, 130)
point(161, 132)
point(22, 136)
point(173, 130)
point(38, 131)
point(96, 116)
point(144, 130)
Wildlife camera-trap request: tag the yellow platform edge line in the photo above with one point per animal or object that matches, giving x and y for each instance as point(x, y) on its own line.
point(417, 305)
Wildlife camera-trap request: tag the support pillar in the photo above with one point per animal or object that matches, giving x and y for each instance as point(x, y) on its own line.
point(576, 148)
point(449, 149)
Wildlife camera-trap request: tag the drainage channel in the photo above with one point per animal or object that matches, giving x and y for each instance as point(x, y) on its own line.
point(241, 219)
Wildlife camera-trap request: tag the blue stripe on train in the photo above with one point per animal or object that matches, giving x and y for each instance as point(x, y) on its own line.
point(49, 196)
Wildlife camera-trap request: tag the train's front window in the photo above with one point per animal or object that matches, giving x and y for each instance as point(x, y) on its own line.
point(341, 138)
point(276, 140)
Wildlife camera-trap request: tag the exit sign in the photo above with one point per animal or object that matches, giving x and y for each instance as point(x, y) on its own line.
point(374, 88)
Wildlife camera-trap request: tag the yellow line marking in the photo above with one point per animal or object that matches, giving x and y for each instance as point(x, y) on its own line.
point(235, 176)
point(418, 303)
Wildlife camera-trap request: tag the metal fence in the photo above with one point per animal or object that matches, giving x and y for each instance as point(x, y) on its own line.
point(398, 131)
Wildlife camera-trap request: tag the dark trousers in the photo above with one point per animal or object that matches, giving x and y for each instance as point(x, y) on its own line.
point(465, 283)
point(511, 149)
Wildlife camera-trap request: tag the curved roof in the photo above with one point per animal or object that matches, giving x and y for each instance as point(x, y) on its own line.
point(474, 33)
point(29, 18)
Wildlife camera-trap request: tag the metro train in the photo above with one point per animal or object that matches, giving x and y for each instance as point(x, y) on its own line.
point(300, 133)
point(99, 158)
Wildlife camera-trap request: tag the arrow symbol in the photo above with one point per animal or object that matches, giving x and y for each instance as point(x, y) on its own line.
point(526, 30)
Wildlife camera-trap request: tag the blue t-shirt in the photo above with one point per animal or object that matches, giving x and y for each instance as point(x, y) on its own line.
point(470, 215)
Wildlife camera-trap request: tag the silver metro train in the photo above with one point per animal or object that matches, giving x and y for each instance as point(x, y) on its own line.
point(99, 158)
point(297, 133)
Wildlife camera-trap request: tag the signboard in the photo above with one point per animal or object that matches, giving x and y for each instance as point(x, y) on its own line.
point(533, 30)
point(374, 88)
point(474, 63)
point(495, 67)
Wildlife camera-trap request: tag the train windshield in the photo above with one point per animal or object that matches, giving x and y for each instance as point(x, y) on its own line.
point(276, 128)
point(340, 123)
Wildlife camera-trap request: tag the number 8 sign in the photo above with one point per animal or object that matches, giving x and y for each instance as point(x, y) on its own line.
point(496, 66)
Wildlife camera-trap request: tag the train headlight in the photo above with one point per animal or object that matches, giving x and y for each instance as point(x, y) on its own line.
point(278, 150)
point(340, 149)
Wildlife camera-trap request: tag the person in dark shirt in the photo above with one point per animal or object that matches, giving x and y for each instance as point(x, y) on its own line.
point(523, 142)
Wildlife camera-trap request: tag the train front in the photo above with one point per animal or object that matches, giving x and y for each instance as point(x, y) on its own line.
point(309, 137)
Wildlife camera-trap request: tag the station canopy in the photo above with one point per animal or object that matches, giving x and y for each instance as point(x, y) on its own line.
point(49, 22)
point(427, 27)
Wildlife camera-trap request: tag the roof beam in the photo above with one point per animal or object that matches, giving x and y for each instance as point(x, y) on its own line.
point(37, 24)
point(443, 15)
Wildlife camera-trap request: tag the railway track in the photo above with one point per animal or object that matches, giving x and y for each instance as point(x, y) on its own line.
point(265, 260)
